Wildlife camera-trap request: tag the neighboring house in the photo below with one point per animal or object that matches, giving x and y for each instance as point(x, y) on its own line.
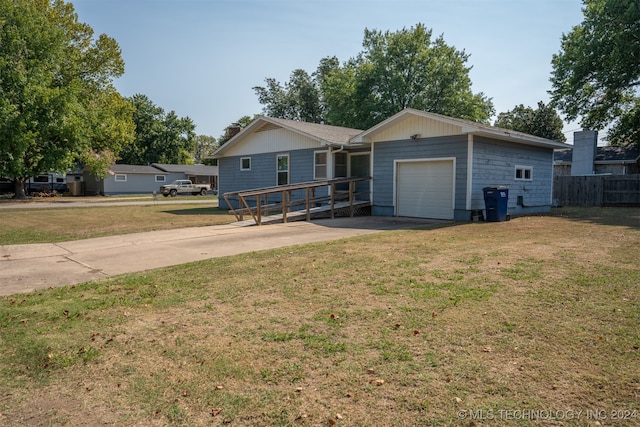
point(136, 179)
point(125, 179)
point(423, 164)
point(593, 160)
point(198, 174)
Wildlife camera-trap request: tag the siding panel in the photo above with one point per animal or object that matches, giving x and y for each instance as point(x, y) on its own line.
point(273, 140)
point(411, 125)
point(263, 171)
point(494, 164)
point(385, 153)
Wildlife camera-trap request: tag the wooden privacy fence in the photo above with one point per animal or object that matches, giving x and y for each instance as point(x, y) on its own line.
point(610, 190)
point(299, 199)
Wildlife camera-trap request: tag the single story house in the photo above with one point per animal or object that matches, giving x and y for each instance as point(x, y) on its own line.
point(422, 164)
point(137, 179)
point(586, 158)
point(124, 179)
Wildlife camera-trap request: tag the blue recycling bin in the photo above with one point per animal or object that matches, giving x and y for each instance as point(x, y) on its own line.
point(496, 202)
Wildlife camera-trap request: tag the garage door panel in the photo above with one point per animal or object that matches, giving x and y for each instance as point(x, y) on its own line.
point(425, 189)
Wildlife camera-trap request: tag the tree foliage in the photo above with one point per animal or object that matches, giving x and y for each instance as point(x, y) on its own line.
point(596, 75)
point(204, 145)
point(57, 102)
point(298, 99)
point(543, 121)
point(395, 70)
point(159, 137)
point(242, 123)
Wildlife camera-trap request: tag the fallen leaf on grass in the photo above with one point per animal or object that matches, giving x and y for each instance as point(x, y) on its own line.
point(215, 411)
point(487, 349)
point(376, 381)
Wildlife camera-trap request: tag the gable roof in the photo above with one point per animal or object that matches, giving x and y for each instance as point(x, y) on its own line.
point(323, 134)
point(465, 126)
point(608, 154)
point(187, 169)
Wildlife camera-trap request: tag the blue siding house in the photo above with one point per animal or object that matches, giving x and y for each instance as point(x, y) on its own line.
point(270, 152)
point(423, 164)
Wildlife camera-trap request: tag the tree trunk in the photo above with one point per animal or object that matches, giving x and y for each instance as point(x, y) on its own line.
point(19, 188)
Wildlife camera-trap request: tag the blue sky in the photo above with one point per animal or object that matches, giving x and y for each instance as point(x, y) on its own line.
point(201, 58)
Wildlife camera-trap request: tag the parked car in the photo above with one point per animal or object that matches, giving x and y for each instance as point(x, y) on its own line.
point(184, 186)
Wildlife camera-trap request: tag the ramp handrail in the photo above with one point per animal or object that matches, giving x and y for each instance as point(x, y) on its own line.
point(262, 205)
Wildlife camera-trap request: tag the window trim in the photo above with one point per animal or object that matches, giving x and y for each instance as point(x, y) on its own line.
point(523, 175)
point(278, 171)
point(242, 159)
point(120, 177)
point(325, 164)
point(161, 178)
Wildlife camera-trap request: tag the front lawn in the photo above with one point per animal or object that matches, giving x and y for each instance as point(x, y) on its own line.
point(495, 323)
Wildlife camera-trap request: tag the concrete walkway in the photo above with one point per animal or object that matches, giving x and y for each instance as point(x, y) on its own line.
point(25, 268)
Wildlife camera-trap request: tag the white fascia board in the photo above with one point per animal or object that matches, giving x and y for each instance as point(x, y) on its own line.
point(522, 139)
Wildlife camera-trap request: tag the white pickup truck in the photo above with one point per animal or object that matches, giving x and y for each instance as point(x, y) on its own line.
point(183, 186)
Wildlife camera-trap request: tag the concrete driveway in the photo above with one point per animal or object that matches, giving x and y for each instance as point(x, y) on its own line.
point(25, 268)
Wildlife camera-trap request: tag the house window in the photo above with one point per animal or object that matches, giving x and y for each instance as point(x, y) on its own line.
point(341, 165)
point(320, 165)
point(283, 169)
point(120, 177)
point(245, 163)
point(161, 178)
point(524, 173)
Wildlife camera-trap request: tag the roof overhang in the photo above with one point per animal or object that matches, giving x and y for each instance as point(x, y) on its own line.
point(465, 126)
point(520, 138)
point(261, 121)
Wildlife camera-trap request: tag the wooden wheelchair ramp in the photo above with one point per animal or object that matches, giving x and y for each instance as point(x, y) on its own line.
point(303, 201)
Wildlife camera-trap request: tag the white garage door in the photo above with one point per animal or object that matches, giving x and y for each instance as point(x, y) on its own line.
point(424, 189)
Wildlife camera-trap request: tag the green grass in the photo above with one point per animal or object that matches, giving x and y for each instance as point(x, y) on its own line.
point(398, 328)
point(34, 225)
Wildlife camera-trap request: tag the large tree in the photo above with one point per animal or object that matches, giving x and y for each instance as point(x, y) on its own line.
point(401, 69)
point(159, 137)
point(57, 102)
point(596, 75)
point(543, 121)
point(298, 99)
point(204, 146)
point(395, 70)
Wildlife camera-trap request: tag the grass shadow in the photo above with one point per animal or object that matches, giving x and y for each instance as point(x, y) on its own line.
point(616, 216)
point(197, 211)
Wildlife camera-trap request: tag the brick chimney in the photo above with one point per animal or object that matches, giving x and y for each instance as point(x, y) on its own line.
point(233, 130)
point(585, 143)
